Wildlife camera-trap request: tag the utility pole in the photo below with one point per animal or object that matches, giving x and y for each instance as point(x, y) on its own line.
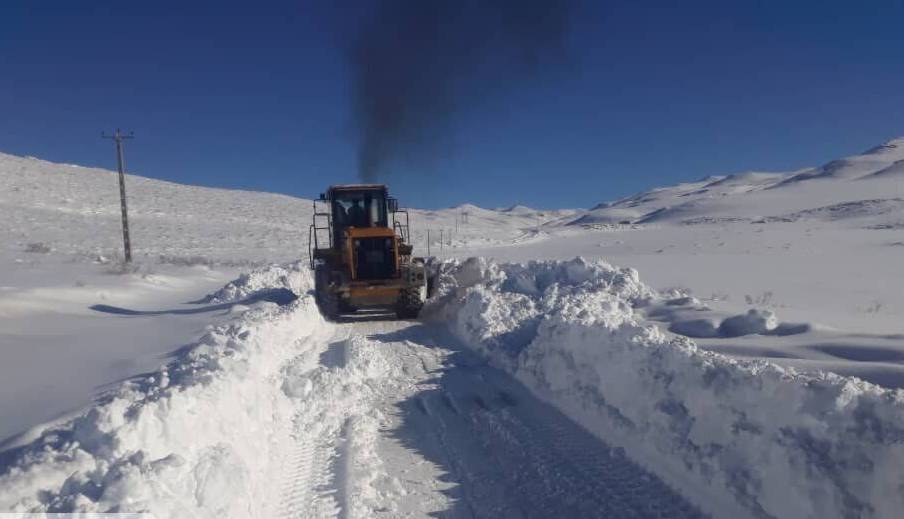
point(119, 137)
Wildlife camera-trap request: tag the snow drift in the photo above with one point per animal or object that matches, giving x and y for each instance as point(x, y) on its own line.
point(740, 437)
point(190, 440)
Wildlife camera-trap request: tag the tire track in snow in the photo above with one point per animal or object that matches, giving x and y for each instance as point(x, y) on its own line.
point(308, 486)
point(512, 455)
point(296, 496)
point(308, 491)
point(391, 425)
point(332, 464)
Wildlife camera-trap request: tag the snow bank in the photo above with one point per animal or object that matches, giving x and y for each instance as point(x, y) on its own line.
point(270, 279)
point(740, 437)
point(194, 439)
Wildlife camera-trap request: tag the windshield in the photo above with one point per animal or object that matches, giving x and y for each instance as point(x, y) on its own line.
point(359, 209)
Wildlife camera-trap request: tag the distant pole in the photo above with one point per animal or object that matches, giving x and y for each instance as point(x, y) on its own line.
point(428, 242)
point(118, 137)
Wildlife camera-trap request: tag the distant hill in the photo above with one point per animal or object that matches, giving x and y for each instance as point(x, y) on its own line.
point(864, 180)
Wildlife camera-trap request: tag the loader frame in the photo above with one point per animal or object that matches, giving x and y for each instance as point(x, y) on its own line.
point(334, 256)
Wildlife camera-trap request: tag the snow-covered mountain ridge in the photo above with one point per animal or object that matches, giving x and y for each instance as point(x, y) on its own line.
point(876, 174)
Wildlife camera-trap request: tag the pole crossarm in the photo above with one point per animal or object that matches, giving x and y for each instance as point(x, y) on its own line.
point(118, 135)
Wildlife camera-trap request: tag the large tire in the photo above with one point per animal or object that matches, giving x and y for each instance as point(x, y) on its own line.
point(410, 303)
point(431, 286)
point(328, 303)
point(346, 308)
point(327, 300)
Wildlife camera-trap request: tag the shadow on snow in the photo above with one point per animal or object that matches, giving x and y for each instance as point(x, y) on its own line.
point(280, 296)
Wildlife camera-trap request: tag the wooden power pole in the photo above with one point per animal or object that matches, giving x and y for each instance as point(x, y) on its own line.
point(118, 137)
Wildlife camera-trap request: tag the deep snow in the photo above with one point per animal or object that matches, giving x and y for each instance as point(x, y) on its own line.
point(277, 413)
point(66, 335)
point(195, 438)
point(748, 434)
point(354, 418)
point(822, 252)
point(781, 280)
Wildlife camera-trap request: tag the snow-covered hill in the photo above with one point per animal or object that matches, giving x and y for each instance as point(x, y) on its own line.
point(852, 182)
point(75, 211)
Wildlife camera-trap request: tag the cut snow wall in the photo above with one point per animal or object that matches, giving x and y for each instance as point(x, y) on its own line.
point(194, 439)
point(739, 437)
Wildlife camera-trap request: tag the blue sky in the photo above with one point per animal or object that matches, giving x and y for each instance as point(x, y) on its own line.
point(255, 96)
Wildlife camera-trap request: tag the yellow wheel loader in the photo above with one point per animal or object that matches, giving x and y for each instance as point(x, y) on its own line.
point(360, 252)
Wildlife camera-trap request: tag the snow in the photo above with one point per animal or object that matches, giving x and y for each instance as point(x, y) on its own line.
point(75, 211)
point(753, 372)
point(190, 439)
point(277, 413)
point(732, 434)
point(66, 303)
point(64, 335)
point(822, 255)
point(756, 195)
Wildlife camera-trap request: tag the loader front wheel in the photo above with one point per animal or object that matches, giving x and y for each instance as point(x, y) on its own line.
point(327, 300)
point(410, 303)
point(328, 303)
point(347, 308)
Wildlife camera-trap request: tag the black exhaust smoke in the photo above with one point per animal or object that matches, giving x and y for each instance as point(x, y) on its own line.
point(416, 63)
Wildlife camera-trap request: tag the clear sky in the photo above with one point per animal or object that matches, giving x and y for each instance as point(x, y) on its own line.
point(254, 95)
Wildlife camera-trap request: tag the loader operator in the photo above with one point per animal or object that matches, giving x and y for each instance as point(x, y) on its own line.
point(357, 217)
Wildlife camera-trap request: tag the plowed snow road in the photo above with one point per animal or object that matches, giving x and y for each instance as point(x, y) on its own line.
point(395, 420)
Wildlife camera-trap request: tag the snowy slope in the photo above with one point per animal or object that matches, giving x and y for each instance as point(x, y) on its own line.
point(75, 210)
point(852, 181)
point(869, 163)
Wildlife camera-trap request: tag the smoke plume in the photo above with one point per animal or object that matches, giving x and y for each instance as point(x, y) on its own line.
point(418, 63)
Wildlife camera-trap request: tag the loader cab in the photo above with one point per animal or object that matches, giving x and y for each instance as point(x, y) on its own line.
point(358, 206)
point(361, 228)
